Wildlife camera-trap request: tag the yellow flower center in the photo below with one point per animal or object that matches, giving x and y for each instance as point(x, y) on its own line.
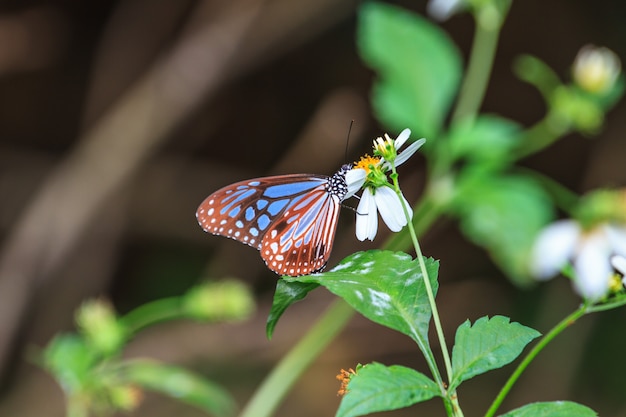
point(367, 163)
point(615, 283)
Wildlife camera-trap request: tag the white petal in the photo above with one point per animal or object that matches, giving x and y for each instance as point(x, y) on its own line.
point(408, 152)
point(617, 238)
point(593, 270)
point(553, 247)
point(366, 217)
point(390, 208)
point(402, 137)
point(619, 263)
point(355, 178)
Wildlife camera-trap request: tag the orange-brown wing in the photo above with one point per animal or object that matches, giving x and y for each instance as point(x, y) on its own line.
point(300, 241)
point(247, 210)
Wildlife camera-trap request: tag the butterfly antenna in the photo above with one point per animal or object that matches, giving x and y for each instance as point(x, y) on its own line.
point(348, 139)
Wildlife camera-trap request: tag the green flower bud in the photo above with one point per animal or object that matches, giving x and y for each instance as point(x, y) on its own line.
point(226, 300)
point(99, 324)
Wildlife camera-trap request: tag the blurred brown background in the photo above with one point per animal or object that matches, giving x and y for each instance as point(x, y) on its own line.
point(118, 118)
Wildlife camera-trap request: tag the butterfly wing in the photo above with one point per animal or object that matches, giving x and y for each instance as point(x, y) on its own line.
point(291, 219)
point(300, 241)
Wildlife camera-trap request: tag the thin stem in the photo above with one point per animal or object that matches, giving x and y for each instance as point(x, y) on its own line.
point(541, 135)
point(431, 300)
point(556, 330)
point(281, 379)
point(479, 69)
point(608, 305)
point(153, 312)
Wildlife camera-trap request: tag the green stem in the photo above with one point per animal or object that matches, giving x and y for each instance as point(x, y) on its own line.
point(556, 330)
point(456, 410)
point(609, 305)
point(280, 380)
point(474, 86)
point(541, 135)
point(153, 312)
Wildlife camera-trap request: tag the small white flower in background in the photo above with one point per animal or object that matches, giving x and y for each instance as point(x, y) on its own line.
point(596, 69)
point(442, 9)
point(589, 251)
point(370, 173)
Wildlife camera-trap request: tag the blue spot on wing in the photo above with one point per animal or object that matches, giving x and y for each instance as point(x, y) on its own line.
point(263, 221)
point(234, 211)
point(277, 206)
point(250, 213)
point(260, 204)
point(290, 189)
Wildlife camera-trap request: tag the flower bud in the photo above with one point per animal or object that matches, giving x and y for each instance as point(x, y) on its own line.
point(125, 397)
point(596, 69)
point(602, 206)
point(385, 148)
point(226, 300)
point(98, 323)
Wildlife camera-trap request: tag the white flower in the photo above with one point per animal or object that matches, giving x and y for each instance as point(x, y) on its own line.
point(442, 9)
point(589, 251)
point(383, 200)
point(377, 196)
point(355, 178)
point(403, 156)
point(596, 69)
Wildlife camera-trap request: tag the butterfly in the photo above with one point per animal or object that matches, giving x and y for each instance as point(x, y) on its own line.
point(291, 219)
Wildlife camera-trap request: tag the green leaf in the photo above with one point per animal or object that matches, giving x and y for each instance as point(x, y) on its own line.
point(486, 138)
point(419, 67)
point(287, 293)
point(552, 409)
point(180, 384)
point(488, 344)
point(503, 214)
point(386, 287)
point(376, 387)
